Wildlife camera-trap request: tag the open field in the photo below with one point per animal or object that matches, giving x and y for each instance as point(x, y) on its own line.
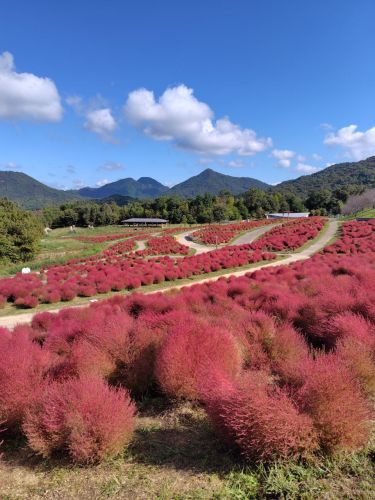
point(327, 235)
point(272, 344)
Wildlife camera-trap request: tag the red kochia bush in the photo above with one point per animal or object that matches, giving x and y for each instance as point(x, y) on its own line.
point(83, 417)
point(191, 350)
point(23, 365)
point(333, 399)
point(262, 420)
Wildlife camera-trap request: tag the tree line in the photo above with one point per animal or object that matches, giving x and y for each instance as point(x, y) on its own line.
point(200, 209)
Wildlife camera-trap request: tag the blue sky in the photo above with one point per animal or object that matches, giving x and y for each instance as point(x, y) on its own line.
point(93, 91)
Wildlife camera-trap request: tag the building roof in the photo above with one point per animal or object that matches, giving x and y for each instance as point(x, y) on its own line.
point(290, 214)
point(146, 220)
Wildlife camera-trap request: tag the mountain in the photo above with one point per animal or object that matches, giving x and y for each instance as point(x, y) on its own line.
point(213, 182)
point(29, 192)
point(144, 187)
point(119, 199)
point(359, 172)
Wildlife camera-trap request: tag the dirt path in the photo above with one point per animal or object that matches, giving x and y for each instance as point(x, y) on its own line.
point(252, 235)
point(248, 237)
point(185, 239)
point(141, 245)
point(319, 244)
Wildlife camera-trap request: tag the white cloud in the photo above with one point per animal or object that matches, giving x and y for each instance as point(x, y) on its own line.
point(111, 166)
point(301, 158)
point(283, 156)
point(75, 101)
point(306, 169)
point(101, 122)
point(357, 145)
point(24, 96)
point(317, 157)
point(10, 165)
point(236, 164)
point(178, 116)
point(102, 182)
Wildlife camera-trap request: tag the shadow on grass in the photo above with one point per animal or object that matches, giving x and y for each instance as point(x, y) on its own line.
point(181, 438)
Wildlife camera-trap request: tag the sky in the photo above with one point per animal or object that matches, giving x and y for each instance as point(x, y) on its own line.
point(92, 91)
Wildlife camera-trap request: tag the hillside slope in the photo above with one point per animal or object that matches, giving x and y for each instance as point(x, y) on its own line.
point(213, 182)
point(144, 187)
point(29, 192)
point(360, 172)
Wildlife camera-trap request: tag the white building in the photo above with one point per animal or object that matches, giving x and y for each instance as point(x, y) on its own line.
point(288, 215)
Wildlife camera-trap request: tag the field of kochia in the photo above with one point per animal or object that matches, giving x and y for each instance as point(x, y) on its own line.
point(121, 267)
point(282, 360)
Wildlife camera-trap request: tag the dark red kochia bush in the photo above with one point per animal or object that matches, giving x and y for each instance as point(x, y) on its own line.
point(192, 349)
point(260, 419)
point(23, 366)
point(333, 399)
point(84, 418)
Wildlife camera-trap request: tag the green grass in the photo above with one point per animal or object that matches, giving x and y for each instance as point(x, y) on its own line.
point(175, 454)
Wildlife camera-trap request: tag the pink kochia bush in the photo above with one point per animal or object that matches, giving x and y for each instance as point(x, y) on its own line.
point(191, 350)
point(82, 417)
point(283, 360)
point(116, 269)
point(23, 366)
point(217, 234)
point(261, 419)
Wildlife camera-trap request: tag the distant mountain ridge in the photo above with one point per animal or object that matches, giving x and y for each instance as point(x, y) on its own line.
point(333, 177)
point(30, 193)
point(213, 182)
point(33, 194)
point(144, 187)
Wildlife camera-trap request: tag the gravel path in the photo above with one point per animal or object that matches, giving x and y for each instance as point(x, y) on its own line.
point(248, 237)
point(319, 244)
point(141, 245)
point(252, 235)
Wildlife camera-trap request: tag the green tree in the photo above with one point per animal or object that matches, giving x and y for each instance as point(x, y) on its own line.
point(20, 233)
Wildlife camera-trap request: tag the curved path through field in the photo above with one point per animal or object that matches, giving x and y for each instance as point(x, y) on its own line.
point(248, 237)
point(319, 244)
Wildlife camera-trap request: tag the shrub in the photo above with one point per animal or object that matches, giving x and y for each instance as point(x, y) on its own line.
point(262, 421)
point(191, 350)
point(83, 417)
point(333, 399)
point(23, 366)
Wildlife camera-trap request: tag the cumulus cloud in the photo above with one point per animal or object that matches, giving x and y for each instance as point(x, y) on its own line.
point(102, 182)
point(306, 169)
point(25, 96)
point(111, 166)
point(357, 145)
point(101, 122)
point(10, 165)
point(236, 164)
point(180, 117)
point(283, 157)
point(317, 157)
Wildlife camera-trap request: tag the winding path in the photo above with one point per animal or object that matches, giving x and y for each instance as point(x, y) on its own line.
point(319, 244)
point(248, 237)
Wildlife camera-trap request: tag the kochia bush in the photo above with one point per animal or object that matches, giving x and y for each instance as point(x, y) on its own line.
point(82, 417)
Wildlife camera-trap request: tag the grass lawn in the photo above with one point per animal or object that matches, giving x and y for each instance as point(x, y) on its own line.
point(176, 455)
